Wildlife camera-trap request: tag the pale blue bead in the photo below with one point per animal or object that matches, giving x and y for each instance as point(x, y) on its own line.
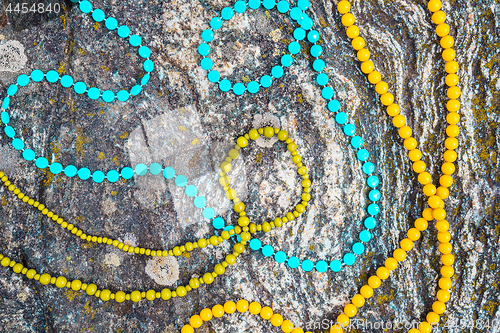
point(294, 48)
point(111, 23)
point(181, 181)
point(286, 60)
point(316, 51)
point(357, 142)
point(333, 105)
point(23, 80)
point(204, 49)
point(313, 36)
point(4, 116)
point(112, 176)
point(303, 4)
point(41, 163)
point(219, 223)
point(52, 76)
point(123, 31)
point(200, 201)
point(149, 66)
point(85, 7)
point(266, 81)
point(321, 266)
point(80, 87)
point(239, 89)
point(141, 169)
point(307, 265)
point(370, 223)
point(374, 195)
point(98, 15)
point(93, 93)
point(225, 85)
point(136, 90)
point(144, 52)
point(299, 34)
point(341, 118)
point(127, 173)
point(155, 168)
point(240, 6)
point(145, 79)
point(227, 13)
point(191, 191)
point(208, 212)
point(358, 248)
point(254, 4)
point(365, 236)
point(349, 259)
point(12, 90)
point(29, 155)
point(6, 103)
point(362, 155)
point(98, 176)
point(9, 131)
point(56, 168)
point(268, 4)
point(253, 87)
point(336, 265)
point(135, 40)
point(70, 171)
point(216, 23)
point(255, 244)
point(207, 35)
point(349, 129)
point(306, 23)
point(283, 7)
point(18, 144)
point(37, 75)
point(277, 71)
point(213, 76)
point(108, 96)
point(206, 64)
point(169, 173)
point(66, 81)
point(368, 168)
point(280, 257)
point(293, 262)
point(373, 209)
point(318, 65)
point(372, 181)
point(322, 79)
point(267, 250)
point(123, 95)
point(327, 93)
point(296, 13)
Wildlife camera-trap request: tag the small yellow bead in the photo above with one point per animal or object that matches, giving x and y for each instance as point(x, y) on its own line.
point(393, 110)
point(363, 55)
point(367, 66)
point(439, 17)
point(413, 234)
point(374, 282)
point(254, 308)
point(452, 118)
point(421, 224)
point(448, 259)
point(344, 7)
point(350, 310)
point(347, 19)
point(449, 54)
point(415, 155)
point(448, 168)
point(432, 318)
point(358, 300)
point(442, 29)
point(382, 272)
point(358, 43)
point(447, 271)
point(374, 77)
point(451, 67)
point(443, 192)
point(352, 31)
point(451, 143)
point(381, 87)
point(387, 99)
point(242, 305)
point(399, 121)
point(391, 264)
point(429, 189)
point(434, 5)
point(438, 307)
point(366, 291)
point(447, 42)
point(439, 214)
point(405, 131)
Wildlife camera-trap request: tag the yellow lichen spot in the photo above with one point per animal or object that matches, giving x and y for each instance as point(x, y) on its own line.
point(62, 19)
point(114, 193)
point(246, 78)
point(81, 51)
point(71, 294)
point(311, 247)
point(195, 142)
point(124, 135)
point(258, 158)
point(100, 156)
point(97, 25)
point(87, 245)
point(263, 56)
point(182, 110)
point(127, 55)
point(186, 255)
point(61, 68)
point(182, 128)
point(69, 260)
point(81, 139)
point(115, 159)
point(268, 15)
point(89, 310)
point(3, 202)
point(105, 68)
point(299, 96)
point(52, 101)
point(322, 22)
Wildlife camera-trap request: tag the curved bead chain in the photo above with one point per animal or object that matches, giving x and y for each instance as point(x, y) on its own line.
point(436, 196)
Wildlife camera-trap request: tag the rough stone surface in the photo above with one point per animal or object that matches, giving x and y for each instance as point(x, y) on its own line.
point(183, 120)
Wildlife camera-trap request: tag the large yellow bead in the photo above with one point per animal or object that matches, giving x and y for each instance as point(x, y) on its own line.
point(374, 282)
point(439, 214)
point(30, 274)
point(391, 264)
point(363, 55)
point(151, 295)
point(358, 43)
point(219, 269)
point(347, 19)
point(18, 268)
point(269, 132)
point(439, 17)
point(374, 77)
point(230, 307)
point(367, 66)
point(350, 310)
point(135, 296)
point(387, 99)
point(443, 296)
point(381, 87)
point(120, 296)
point(442, 29)
point(218, 311)
point(61, 282)
point(91, 289)
point(434, 5)
point(287, 326)
point(282, 135)
point(432, 318)
point(399, 254)
point(399, 121)
point(344, 7)
point(265, 313)
point(242, 305)
point(452, 118)
point(447, 42)
point(447, 271)
point(230, 259)
point(352, 31)
point(187, 329)
point(446, 180)
point(206, 314)
point(342, 319)
point(429, 189)
point(393, 110)
point(358, 300)
point(449, 54)
point(451, 143)
point(424, 178)
point(421, 224)
point(253, 134)
point(276, 319)
point(45, 279)
point(413, 234)
point(405, 131)
point(443, 192)
point(442, 225)
point(438, 307)
point(166, 294)
point(234, 154)
point(195, 321)
point(382, 273)
point(239, 207)
point(5, 262)
point(434, 201)
point(208, 278)
point(366, 291)
point(451, 67)
point(448, 168)
point(445, 283)
point(453, 92)
point(242, 142)
point(105, 295)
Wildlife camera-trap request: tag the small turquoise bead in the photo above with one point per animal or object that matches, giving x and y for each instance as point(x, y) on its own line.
point(18, 144)
point(135, 40)
point(70, 171)
point(225, 85)
point(336, 265)
point(327, 93)
point(206, 64)
point(307, 265)
point(316, 51)
point(207, 35)
point(12, 90)
point(318, 65)
point(208, 212)
point(299, 34)
point(321, 266)
point(268, 4)
point(341, 118)
point(29, 155)
point(313, 36)
point(56, 168)
point(255, 244)
point(23, 80)
point(296, 13)
point(85, 7)
point(123, 95)
point(52, 76)
point(144, 52)
point(266, 81)
point(145, 79)
point(9, 131)
point(362, 155)
point(240, 6)
point(227, 13)
point(127, 173)
point(123, 31)
point(322, 79)
point(358, 248)
point(349, 129)
point(191, 191)
point(112, 176)
point(372, 181)
point(306, 23)
point(213, 76)
point(253, 87)
point(293, 262)
point(216, 23)
point(286, 60)
point(365, 236)
point(141, 169)
point(303, 4)
point(6, 103)
point(169, 173)
point(41, 162)
point(283, 7)
point(149, 66)
point(370, 223)
point(37, 75)
point(294, 48)
point(277, 71)
point(80, 87)
point(204, 49)
point(155, 168)
point(108, 96)
point(219, 223)
point(333, 105)
point(368, 168)
point(93, 93)
point(136, 90)
point(357, 142)
point(98, 15)
point(374, 195)
point(200, 201)
point(111, 23)
point(181, 181)
point(254, 4)
point(373, 209)
point(239, 89)
point(280, 257)
point(66, 81)
point(349, 259)
point(4, 116)
point(98, 176)
point(84, 173)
